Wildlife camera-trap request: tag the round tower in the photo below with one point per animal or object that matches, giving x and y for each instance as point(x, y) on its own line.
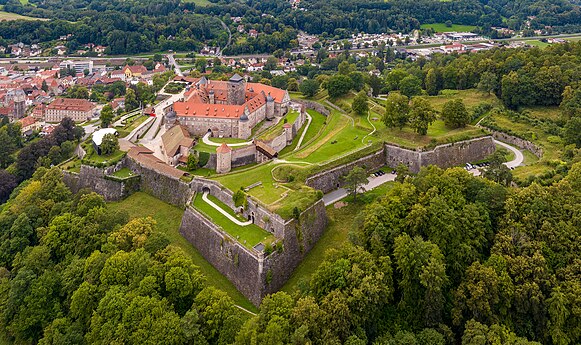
point(269, 107)
point(223, 159)
point(244, 129)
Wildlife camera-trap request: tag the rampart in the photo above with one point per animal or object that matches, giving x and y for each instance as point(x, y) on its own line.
point(444, 156)
point(254, 273)
point(100, 181)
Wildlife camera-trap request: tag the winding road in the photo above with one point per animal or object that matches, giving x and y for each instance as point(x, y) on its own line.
point(518, 156)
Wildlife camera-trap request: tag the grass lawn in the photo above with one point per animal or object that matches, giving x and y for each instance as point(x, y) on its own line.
point(73, 165)
point(136, 122)
point(249, 236)
point(277, 129)
point(92, 158)
point(537, 43)
point(269, 192)
point(13, 16)
point(278, 197)
point(530, 158)
point(317, 123)
point(339, 137)
point(201, 3)
point(168, 219)
point(336, 234)
point(441, 27)
point(438, 133)
point(544, 113)
point(471, 98)
point(123, 173)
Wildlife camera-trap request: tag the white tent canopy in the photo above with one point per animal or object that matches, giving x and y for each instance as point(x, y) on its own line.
point(98, 135)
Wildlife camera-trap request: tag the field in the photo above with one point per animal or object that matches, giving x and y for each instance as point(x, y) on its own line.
point(537, 43)
point(249, 236)
point(471, 98)
point(13, 16)
point(168, 219)
point(201, 3)
point(438, 133)
point(544, 113)
point(441, 27)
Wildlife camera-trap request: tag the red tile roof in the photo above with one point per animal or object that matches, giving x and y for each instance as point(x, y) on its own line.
point(208, 110)
point(27, 121)
point(72, 104)
point(223, 148)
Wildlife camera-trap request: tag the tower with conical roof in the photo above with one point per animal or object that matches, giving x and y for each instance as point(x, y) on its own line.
point(269, 107)
point(236, 90)
point(223, 159)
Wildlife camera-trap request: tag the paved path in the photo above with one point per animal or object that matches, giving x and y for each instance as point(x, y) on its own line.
point(518, 156)
point(372, 183)
point(309, 119)
point(226, 214)
point(159, 114)
point(120, 123)
point(229, 36)
point(206, 140)
point(172, 60)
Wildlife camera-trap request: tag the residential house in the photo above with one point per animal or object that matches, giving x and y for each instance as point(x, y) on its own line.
point(28, 125)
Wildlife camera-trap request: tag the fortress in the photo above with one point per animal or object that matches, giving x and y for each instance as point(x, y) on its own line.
point(228, 109)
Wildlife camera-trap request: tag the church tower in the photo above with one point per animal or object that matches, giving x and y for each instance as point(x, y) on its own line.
point(236, 90)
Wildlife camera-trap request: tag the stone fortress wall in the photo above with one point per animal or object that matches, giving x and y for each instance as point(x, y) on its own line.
point(251, 271)
point(518, 142)
point(444, 156)
point(284, 139)
point(100, 181)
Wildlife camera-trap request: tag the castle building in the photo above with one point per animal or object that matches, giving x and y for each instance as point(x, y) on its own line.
point(228, 108)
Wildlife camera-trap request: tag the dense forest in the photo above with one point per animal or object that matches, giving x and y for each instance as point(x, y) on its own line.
point(129, 27)
point(442, 258)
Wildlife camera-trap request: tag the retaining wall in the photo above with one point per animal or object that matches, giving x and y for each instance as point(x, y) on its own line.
point(254, 274)
point(96, 179)
point(519, 142)
point(243, 156)
point(329, 180)
point(459, 153)
point(444, 156)
point(318, 107)
point(164, 187)
point(238, 264)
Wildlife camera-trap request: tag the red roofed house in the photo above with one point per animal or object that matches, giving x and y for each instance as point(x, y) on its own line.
point(176, 145)
point(135, 71)
point(78, 110)
point(228, 109)
point(28, 125)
